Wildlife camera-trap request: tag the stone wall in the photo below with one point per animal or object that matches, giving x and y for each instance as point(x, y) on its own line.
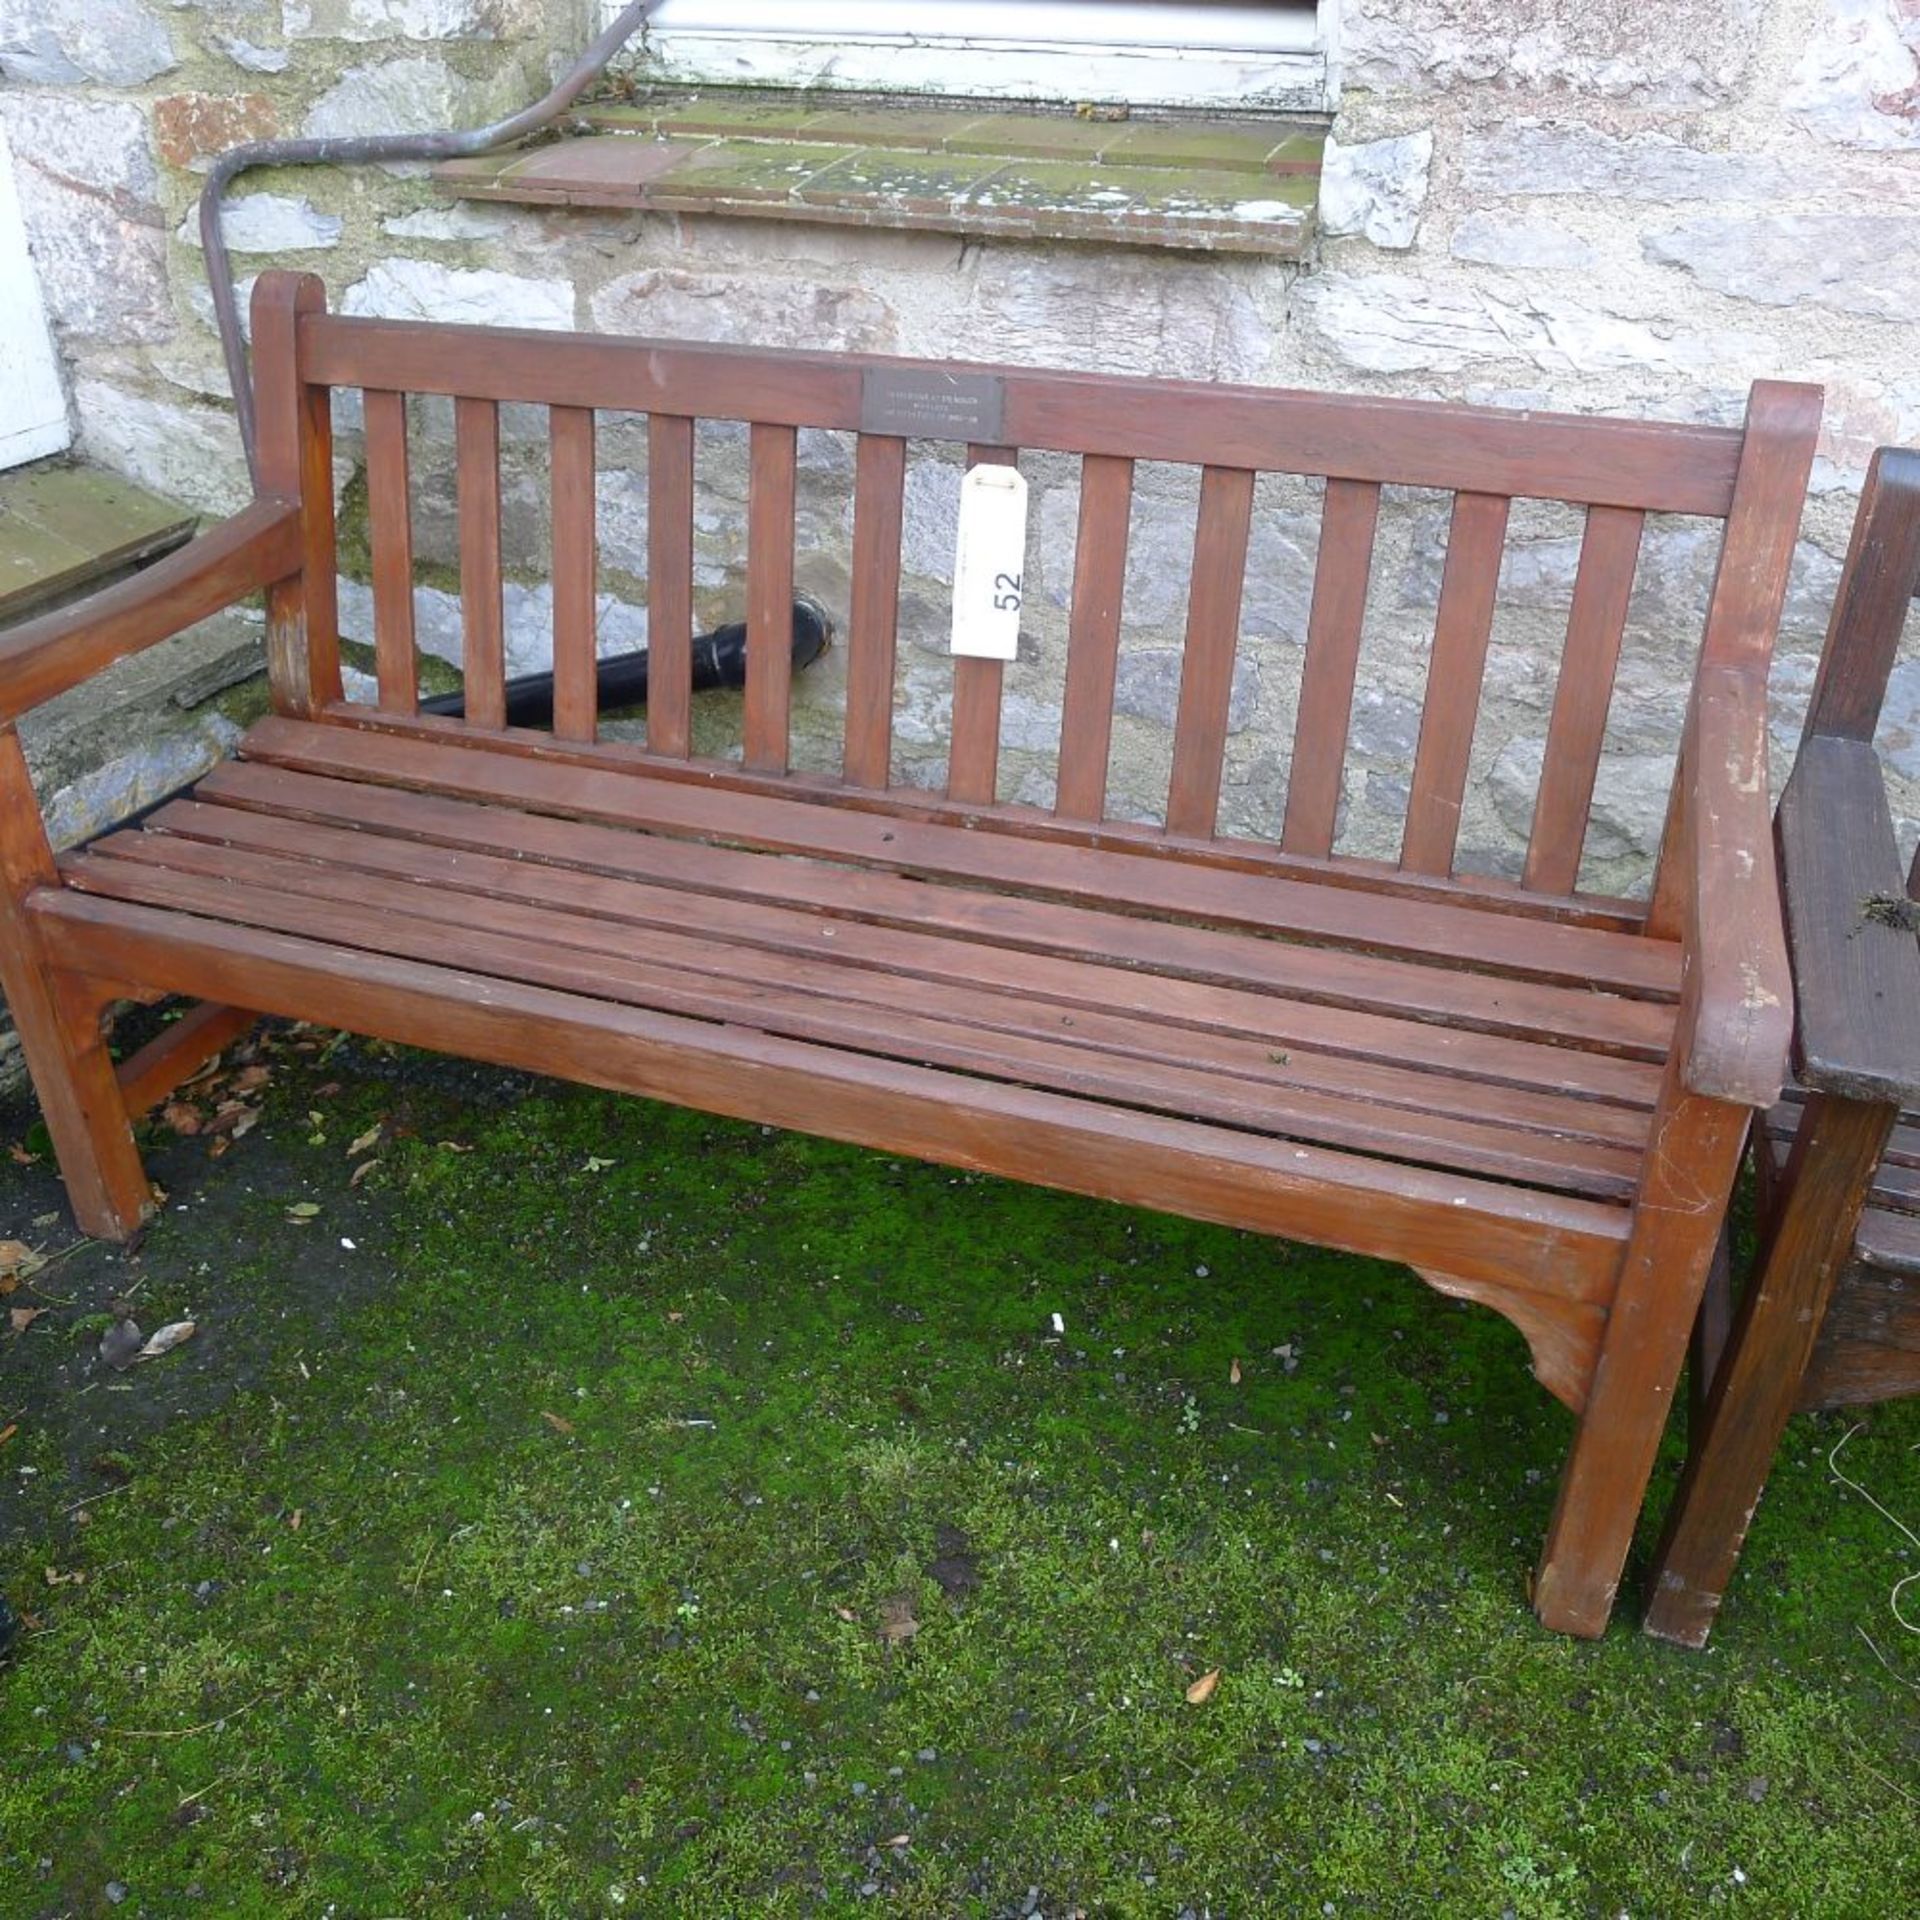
point(1597, 206)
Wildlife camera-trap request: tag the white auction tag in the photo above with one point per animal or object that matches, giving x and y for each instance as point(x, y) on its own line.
point(990, 563)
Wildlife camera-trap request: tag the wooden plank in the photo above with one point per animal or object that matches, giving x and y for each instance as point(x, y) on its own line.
point(79, 1097)
point(669, 584)
point(1447, 936)
point(476, 433)
point(973, 745)
point(1291, 1001)
point(1454, 673)
point(1609, 553)
point(1545, 1242)
point(390, 528)
point(1663, 467)
point(1749, 589)
point(1341, 571)
point(1157, 1017)
point(40, 658)
point(873, 625)
point(1093, 636)
point(1869, 1345)
point(576, 563)
point(1856, 971)
point(295, 461)
point(1146, 842)
point(1213, 636)
point(580, 953)
point(1695, 1153)
point(1889, 1241)
point(770, 504)
point(178, 1051)
point(1758, 1381)
point(1870, 608)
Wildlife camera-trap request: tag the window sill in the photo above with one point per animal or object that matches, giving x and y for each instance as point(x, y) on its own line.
point(1210, 186)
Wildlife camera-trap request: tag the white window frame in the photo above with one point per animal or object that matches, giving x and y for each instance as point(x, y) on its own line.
point(1172, 53)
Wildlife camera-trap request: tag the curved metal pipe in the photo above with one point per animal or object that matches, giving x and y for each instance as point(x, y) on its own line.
point(357, 149)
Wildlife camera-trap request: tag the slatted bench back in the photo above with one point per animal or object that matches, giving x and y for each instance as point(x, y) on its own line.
point(1617, 471)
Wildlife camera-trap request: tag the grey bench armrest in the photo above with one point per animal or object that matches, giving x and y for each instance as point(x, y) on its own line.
point(1850, 928)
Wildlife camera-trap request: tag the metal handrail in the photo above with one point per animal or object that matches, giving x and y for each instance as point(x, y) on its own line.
point(356, 149)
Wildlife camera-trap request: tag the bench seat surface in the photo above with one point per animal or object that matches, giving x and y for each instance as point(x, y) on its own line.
point(1509, 1066)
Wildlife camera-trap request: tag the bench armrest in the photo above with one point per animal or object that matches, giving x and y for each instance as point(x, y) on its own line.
point(1743, 989)
point(1850, 927)
point(44, 657)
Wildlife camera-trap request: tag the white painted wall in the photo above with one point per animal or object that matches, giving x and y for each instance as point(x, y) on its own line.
point(33, 408)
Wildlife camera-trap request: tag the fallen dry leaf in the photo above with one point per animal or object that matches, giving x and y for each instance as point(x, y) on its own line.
point(218, 1145)
point(361, 1171)
point(19, 1260)
point(183, 1118)
point(169, 1337)
point(303, 1210)
point(295, 1517)
point(249, 1078)
point(366, 1140)
point(1204, 1688)
point(556, 1422)
point(8, 1431)
point(23, 1317)
point(847, 1614)
point(8, 1283)
point(55, 1578)
point(898, 1621)
point(596, 1165)
point(1233, 1374)
point(20, 1156)
point(899, 1840)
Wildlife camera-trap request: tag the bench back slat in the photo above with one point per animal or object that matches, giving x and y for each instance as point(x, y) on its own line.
point(771, 462)
point(476, 437)
point(973, 751)
point(873, 618)
point(1213, 632)
point(576, 690)
point(1602, 588)
point(669, 584)
point(1348, 519)
point(1093, 642)
point(1455, 670)
point(390, 532)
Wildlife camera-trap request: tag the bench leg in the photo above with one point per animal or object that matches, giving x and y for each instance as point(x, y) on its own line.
point(1691, 1164)
point(1835, 1152)
point(58, 1021)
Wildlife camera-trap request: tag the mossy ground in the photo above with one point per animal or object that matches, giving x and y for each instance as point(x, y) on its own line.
point(534, 1555)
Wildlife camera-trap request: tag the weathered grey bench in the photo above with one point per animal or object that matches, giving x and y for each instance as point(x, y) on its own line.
point(1534, 1096)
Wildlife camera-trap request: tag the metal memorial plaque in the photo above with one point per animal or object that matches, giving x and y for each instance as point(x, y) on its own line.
point(929, 404)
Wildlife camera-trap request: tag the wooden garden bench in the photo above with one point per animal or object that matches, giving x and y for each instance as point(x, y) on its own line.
point(1534, 1096)
point(1831, 1314)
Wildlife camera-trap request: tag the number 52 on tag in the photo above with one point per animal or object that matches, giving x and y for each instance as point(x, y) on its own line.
point(989, 566)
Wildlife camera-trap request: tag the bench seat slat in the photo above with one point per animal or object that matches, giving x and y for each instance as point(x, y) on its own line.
point(1160, 1016)
point(701, 978)
point(1598, 962)
point(1080, 959)
point(1564, 1248)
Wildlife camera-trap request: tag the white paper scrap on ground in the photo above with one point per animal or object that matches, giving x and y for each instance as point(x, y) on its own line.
point(990, 563)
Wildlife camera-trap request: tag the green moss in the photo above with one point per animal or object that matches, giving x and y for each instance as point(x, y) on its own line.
point(643, 1426)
